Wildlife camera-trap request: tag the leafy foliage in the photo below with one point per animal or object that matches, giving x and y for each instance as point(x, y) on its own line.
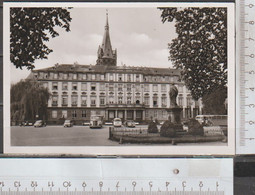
point(214, 102)
point(30, 28)
point(195, 128)
point(152, 127)
point(28, 99)
point(200, 50)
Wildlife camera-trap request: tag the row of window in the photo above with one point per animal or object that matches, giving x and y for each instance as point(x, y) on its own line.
point(74, 114)
point(102, 86)
point(102, 77)
point(120, 100)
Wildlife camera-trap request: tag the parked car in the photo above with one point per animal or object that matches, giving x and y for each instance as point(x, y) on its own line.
point(26, 123)
point(68, 123)
point(129, 123)
point(117, 122)
point(39, 123)
point(96, 121)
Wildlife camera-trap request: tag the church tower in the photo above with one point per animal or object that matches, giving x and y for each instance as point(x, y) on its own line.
point(105, 55)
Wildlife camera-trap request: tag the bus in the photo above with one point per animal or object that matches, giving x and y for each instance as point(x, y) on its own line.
point(96, 121)
point(212, 120)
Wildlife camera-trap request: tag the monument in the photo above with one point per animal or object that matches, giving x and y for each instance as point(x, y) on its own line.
point(173, 124)
point(174, 111)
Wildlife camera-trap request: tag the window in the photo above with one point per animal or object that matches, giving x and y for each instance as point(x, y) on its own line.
point(64, 113)
point(137, 87)
point(155, 114)
point(54, 86)
point(155, 101)
point(65, 76)
point(54, 114)
point(137, 78)
point(74, 76)
point(163, 101)
point(146, 88)
point(64, 86)
point(84, 86)
point(83, 114)
point(46, 75)
point(163, 87)
point(83, 100)
point(111, 77)
point(84, 76)
point(102, 77)
point(180, 101)
point(93, 87)
point(70, 76)
point(111, 100)
point(64, 100)
point(102, 87)
point(120, 87)
point(93, 76)
point(146, 114)
point(55, 76)
point(102, 100)
point(120, 98)
point(128, 100)
point(146, 100)
point(54, 100)
point(74, 86)
point(119, 77)
point(129, 77)
point(74, 114)
point(189, 101)
point(93, 101)
point(155, 87)
point(74, 100)
point(111, 88)
point(128, 87)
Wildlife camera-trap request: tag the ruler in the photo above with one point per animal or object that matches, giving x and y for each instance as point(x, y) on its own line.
point(245, 74)
point(116, 176)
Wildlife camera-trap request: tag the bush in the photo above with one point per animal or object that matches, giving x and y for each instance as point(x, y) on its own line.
point(152, 127)
point(195, 128)
point(168, 129)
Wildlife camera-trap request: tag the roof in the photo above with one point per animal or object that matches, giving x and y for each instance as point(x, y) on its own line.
point(108, 69)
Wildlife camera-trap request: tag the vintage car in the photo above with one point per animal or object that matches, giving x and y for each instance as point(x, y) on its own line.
point(129, 123)
point(96, 121)
point(68, 123)
point(117, 122)
point(39, 123)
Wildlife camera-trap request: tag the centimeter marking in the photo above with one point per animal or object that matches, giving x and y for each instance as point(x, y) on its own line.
point(112, 193)
point(245, 77)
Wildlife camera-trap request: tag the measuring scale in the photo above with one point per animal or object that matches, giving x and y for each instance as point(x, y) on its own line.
point(116, 176)
point(245, 83)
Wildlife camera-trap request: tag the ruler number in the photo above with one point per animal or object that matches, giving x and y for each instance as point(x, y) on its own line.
point(67, 184)
point(251, 5)
point(34, 184)
point(251, 39)
point(50, 184)
point(17, 184)
point(251, 22)
point(251, 105)
point(252, 88)
point(1, 184)
point(252, 72)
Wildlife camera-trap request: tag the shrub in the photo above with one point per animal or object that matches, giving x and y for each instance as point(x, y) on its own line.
point(168, 129)
point(152, 127)
point(195, 128)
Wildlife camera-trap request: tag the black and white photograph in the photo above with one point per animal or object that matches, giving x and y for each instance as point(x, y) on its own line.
point(119, 78)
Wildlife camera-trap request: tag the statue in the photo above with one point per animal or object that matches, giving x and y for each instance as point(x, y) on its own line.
point(173, 95)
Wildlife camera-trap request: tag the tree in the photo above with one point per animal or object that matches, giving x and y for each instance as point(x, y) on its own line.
point(214, 103)
point(28, 99)
point(200, 49)
point(30, 29)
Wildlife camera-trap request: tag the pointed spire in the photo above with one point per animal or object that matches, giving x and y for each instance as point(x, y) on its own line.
point(105, 53)
point(106, 45)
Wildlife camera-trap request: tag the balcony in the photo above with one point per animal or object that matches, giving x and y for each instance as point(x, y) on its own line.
point(125, 105)
point(74, 104)
point(64, 104)
point(54, 104)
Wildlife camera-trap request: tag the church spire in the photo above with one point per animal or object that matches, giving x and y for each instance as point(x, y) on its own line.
point(106, 56)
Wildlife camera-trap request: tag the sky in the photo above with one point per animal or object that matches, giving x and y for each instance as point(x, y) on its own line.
point(138, 34)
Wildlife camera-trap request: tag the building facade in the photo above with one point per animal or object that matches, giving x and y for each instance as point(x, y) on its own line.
point(129, 93)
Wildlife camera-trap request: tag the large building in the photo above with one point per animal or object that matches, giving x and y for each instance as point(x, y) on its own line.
point(126, 92)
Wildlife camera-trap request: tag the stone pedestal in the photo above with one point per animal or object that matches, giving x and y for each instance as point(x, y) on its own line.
point(173, 124)
point(174, 114)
